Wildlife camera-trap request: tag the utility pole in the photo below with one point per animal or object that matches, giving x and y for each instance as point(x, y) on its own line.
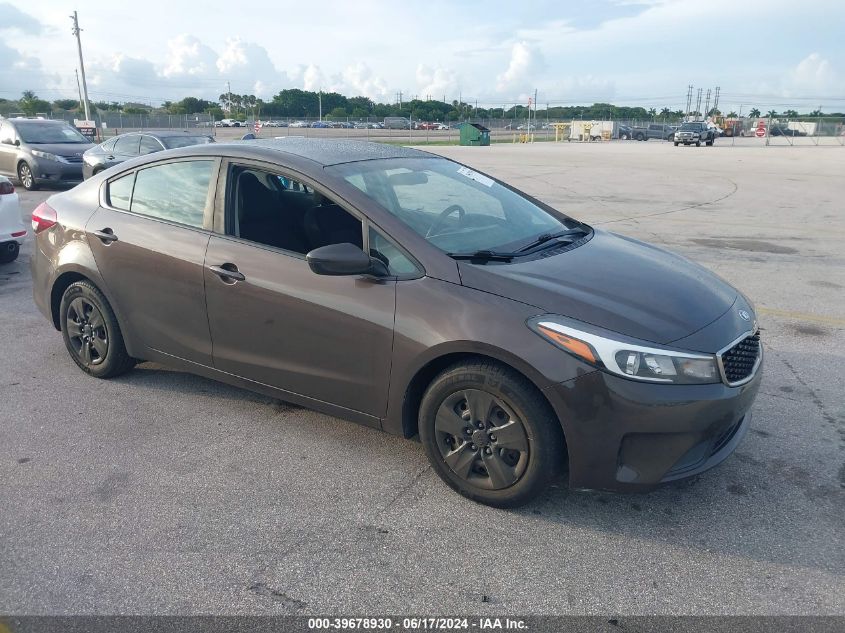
point(689, 100)
point(320, 102)
point(79, 88)
point(229, 97)
point(707, 104)
point(698, 103)
point(76, 31)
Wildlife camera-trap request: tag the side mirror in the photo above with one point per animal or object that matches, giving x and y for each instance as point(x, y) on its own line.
point(7, 141)
point(344, 259)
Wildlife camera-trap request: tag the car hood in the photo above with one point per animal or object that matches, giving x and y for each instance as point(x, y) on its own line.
point(63, 149)
point(616, 283)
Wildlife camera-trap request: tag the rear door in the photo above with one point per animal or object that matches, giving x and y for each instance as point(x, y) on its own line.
point(276, 322)
point(8, 150)
point(149, 238)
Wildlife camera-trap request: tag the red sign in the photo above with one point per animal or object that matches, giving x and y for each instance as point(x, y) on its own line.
point(760, 132)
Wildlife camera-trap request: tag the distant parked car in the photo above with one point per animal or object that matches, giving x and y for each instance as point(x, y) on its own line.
point(396, 123)
point(624, 132)
point(125, 146)
point(321, 124)
point(442, 126)
point(696, 132)
point(425, 125)
point(12, 230)
point(299, 124)
point(38, 151)
point(654, 130)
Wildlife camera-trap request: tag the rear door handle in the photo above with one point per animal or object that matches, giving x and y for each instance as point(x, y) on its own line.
point(228, 273)
point(106, 235)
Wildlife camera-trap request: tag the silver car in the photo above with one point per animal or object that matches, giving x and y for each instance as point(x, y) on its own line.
point(40, 151)
point(132, 144)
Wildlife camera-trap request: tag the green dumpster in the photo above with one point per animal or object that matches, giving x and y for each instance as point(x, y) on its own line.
point(474, 134)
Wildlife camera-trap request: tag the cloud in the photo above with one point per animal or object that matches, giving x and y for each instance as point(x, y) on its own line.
point(814, 73)
point(13, 18)
point(526, 59)
point(437, 82)
point(186, 55)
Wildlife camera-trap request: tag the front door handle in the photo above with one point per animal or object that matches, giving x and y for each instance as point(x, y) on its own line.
point(106, 235)
point(228, 273)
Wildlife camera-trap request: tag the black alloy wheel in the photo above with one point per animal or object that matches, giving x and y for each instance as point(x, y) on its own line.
point(481, 439)
point(490, 434)
point(91, 332)
point(87, 332)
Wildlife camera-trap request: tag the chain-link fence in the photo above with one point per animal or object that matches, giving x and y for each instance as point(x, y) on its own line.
point(775, 130)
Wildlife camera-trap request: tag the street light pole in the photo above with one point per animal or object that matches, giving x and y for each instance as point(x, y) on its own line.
point(76, 31)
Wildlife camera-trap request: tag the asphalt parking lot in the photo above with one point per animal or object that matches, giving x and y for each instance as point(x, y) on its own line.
point(161, 492)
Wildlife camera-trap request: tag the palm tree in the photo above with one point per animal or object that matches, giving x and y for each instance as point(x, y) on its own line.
point(652, 113)
point(665, 112)
point(754, 113)
point(771, 114)
point(732, 115)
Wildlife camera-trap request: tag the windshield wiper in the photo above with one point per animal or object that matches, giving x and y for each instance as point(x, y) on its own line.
point(548, 237)
point(484, 256)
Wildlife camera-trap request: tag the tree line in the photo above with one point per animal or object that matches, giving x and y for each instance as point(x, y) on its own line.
point(293, 103)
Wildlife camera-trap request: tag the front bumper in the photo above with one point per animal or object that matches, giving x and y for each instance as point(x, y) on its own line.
point(623, 435)
point(52, 171)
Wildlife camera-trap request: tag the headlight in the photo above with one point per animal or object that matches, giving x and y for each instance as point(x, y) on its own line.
point(48, 156)
point(627, 358)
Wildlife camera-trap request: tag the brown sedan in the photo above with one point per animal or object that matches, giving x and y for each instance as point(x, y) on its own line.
point(406, 292)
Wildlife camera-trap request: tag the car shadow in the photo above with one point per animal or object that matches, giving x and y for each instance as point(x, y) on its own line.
point(759, 504)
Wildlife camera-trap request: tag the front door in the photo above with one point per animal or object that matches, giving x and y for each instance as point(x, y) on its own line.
point(276, 322)
point(149, 241)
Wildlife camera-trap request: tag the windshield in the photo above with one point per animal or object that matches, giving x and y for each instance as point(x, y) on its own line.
point(172, 142)
point(39, 132)
point(455, 208)
point(691, 126)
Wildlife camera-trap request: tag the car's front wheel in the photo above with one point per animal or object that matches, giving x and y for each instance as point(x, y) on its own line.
point(26, 178)
point(9, 252)
point(91, 332)
point(489, 434)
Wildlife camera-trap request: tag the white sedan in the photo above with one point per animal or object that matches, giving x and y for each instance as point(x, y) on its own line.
point(12, 230)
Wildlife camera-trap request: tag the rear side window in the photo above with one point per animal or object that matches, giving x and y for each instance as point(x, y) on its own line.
point(120, 192)
point(175, 192)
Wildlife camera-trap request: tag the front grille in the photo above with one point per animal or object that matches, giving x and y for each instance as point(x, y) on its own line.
point(739, 361)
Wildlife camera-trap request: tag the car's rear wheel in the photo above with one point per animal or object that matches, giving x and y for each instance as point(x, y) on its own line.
point(640, 137)
point(9, 252)
point(91, 332)
point(676, 143)
point(489, 434)
point(26, 178)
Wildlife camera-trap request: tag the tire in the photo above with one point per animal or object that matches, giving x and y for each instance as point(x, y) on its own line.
point(624, 137)
point(9, 252)
point(676, 143)
point(709, 143)
point(88, 323)
point(25, 177)
point(503, 470)
point(640, 137)
point(698, 143)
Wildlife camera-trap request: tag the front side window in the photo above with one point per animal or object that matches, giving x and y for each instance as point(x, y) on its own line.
point(127, 145)
point(386, 250)
point(175, 192)
point(453, 207)
point(281, 212)
point(149, 145)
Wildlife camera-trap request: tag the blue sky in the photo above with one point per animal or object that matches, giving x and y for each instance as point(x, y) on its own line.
point(769, 54)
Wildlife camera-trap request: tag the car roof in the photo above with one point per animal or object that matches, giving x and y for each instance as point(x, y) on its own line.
point(326, 151)
point(167, 133)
